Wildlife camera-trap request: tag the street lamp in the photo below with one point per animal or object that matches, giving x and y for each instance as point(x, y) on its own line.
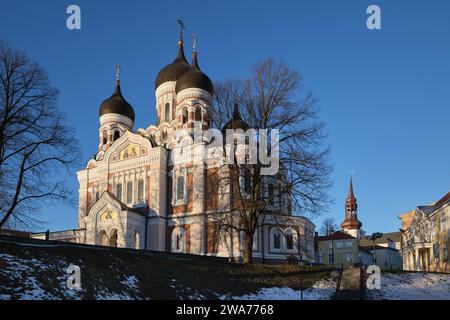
point(374, 237)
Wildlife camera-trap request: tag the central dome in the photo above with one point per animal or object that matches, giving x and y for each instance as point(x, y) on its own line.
point(194, 78)
point(173, 71)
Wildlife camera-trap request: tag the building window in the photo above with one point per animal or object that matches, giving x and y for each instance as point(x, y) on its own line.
point(348, 244)
point(185, 116)
point(247, 183)
point(443, 221)
point(330, 245)
point(349, 257)
point(105, 137)
point(140, 190)
point(290, 241)
point(129, 192)
point(97, 196)
point(119, 191)
point(444, 252)
point(339, 245)
point(116, 135)
point(330, 258)
point(137, 240)
point(270, 193)
point(275, 239)
point(178, 240)
point(167, 112)
point(180, 188)
point(198, 114)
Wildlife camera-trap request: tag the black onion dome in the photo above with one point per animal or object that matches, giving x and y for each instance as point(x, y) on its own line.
point(117, 104)
point(173, 71)
point(236, 122)
point(194, 78)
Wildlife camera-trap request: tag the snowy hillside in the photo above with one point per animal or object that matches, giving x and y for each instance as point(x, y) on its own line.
point(32, 269)
point(412, 286)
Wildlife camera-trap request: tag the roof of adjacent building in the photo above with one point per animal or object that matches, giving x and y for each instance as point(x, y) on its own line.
point(377, 247)
point(386, 238)
point(428, 209)
point(338, 235)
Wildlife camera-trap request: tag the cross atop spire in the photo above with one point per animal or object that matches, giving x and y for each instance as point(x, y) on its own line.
point(351, 195)
point(181, 24)
point(117, 72)
point(195, 42)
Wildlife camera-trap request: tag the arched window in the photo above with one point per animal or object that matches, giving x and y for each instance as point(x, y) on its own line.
point(167, 112)
point(113, 238)
point(180, 188)
point(291, 239)
point(185, 116)
point(198, 114)
point(140, 190)
point(119, 191)
point(102, 238)
point(97, 196)
point(270, 193)
point(178, 240)
point(137, 240)
point(105, 137)
point(116, 135)
point(275, 239)
point(129, 192)
point(247, 182)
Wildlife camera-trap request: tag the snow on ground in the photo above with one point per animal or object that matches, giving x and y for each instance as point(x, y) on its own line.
point(412, 286)
point(29, 280)
point(321, 290)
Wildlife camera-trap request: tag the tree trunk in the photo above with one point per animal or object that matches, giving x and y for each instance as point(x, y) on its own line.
point(248, 248)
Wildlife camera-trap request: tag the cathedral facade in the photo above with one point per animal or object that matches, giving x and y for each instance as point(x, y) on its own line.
point(133, 194)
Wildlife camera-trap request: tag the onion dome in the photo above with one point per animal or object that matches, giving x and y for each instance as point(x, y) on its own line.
point(173, 71)
point(117, 104)
point(236, 122)
point(194, 78)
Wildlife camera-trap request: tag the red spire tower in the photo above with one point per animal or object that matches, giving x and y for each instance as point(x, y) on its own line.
point(351, 224)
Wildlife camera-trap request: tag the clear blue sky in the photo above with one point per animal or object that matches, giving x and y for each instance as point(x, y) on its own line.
point(384, 94)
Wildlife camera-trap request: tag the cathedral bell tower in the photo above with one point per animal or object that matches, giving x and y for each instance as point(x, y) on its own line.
point(116, 117)
point(351, 224)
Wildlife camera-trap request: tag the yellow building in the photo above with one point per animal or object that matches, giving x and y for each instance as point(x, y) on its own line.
point(426, 237)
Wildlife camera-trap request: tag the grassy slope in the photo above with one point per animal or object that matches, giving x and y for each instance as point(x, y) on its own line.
point(104, 272)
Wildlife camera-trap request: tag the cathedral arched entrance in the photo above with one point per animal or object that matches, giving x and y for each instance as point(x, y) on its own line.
point(113, 238)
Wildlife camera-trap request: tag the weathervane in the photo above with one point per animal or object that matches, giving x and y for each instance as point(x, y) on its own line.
point(118, 72)
point(181, 23)
point(195, 42)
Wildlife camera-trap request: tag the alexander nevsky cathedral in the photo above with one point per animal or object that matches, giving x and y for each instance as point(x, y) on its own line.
point(133, 194)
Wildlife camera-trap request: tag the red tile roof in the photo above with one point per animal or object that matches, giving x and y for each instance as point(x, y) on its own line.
point(338, 235)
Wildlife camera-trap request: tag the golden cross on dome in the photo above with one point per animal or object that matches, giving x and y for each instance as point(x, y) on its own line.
point(195, 42)
point(181, 23)
point(118, 72)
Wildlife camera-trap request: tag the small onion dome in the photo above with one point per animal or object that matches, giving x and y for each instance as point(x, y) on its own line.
point(194, 78)
point(173, 71)
point(117, 104)
point(236, 122)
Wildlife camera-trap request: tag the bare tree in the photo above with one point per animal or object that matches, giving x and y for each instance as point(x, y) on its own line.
point(272, 98)
point(328, 226)
point(34, 142)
